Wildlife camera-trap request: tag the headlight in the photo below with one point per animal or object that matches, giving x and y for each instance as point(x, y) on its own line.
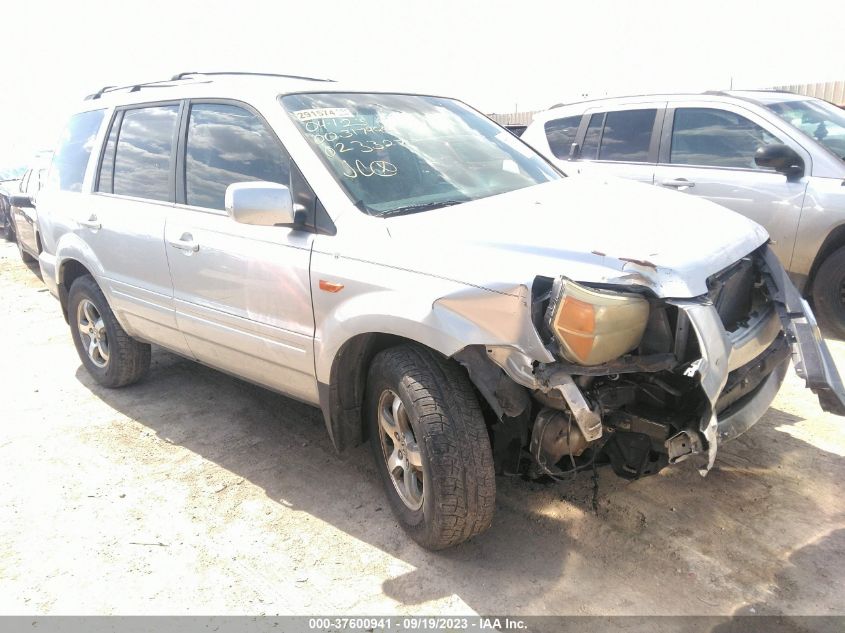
point(595, 326)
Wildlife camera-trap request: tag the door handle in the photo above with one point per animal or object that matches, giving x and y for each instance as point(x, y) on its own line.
point(678, 183)
point(91, 223)
point(185, 243)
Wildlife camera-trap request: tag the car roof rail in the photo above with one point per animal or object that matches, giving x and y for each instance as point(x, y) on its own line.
point(162, 83)
point(167, 83)
point(248, 74)
point(99, 93)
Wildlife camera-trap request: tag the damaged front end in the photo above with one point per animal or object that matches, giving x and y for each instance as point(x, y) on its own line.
point(640, 381)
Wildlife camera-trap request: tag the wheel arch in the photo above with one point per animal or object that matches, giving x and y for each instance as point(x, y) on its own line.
point(74, 258)
point(342, 398)
point(69, 271)
point(353, 332)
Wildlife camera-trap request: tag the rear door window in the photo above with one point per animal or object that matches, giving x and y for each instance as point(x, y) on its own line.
point(624, 135)
point(70, 159)
point(561, 134)
point(627, 135)
point(144, 156)
point(228, 144)
point(716, 138)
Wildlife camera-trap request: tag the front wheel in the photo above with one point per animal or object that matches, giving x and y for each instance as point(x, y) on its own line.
point(829, 293)
point(25, 257)
point(111, 356)
point(431, 447)
point(9, 229)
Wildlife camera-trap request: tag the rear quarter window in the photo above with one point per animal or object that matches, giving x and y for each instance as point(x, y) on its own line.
point(561, 134)
point(67, 171)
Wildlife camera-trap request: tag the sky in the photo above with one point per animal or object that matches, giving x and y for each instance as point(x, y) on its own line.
point(498, 56)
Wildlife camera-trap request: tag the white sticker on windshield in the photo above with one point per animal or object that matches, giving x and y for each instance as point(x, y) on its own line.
point(323, 113)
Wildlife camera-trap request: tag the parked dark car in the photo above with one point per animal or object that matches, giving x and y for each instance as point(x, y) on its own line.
point(23, 217)
point(8, 186)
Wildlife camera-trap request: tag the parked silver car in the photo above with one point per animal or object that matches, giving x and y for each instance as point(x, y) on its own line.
point(775, 157)
point(424, 277)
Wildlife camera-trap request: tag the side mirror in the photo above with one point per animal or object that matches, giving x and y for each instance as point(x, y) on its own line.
point(22, 201)
point(574, 151)
point(260, 203)
point(782, 158)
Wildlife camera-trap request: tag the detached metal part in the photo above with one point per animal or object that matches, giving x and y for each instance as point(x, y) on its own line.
point(810, 354)
point(588, 421)
point(683, 445)
point(505, 397)
point(723, 352)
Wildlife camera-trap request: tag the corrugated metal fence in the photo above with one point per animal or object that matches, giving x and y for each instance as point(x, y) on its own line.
point(833, 91)
point(514, 118)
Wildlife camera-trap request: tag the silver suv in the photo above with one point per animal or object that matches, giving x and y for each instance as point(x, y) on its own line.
point(775, 157)
point(421, 275)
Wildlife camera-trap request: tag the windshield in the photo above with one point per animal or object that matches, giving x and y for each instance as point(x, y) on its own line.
point(399, 154)
point(11, 173)
point(817, 119)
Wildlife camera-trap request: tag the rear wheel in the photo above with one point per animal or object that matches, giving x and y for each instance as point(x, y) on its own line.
point(829, 293)
point(431, 447)
point(111, 356)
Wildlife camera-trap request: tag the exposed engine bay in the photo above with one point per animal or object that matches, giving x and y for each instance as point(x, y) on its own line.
point(633, 385)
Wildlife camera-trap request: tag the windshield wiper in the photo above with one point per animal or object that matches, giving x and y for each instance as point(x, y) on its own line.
point(417, 208)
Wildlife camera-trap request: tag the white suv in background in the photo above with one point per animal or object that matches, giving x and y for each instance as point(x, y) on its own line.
point(775, 157)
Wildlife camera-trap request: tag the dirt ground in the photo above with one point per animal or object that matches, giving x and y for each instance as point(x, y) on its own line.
point(195, 493)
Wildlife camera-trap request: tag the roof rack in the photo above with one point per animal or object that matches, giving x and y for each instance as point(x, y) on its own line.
point(162, 83)
point(165, 83)
point(728, 92)
point(248, 74)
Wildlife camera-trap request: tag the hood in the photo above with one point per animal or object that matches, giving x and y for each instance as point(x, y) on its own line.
point(599, 230)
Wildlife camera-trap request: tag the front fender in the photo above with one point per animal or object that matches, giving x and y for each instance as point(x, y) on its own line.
point(359, 301)
point(443, 315)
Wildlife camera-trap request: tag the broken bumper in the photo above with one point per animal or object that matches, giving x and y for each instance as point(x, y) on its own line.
point(787, 329)
point(810, 354)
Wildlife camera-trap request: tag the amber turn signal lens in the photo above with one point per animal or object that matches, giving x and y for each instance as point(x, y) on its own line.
point(597, 326)
point(329, 286)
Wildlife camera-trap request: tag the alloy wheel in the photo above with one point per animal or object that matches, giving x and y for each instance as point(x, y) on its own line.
point(400, 449)
point(92, 330)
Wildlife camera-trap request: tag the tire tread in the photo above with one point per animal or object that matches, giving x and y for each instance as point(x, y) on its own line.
point(455, 440)
point(131, 357)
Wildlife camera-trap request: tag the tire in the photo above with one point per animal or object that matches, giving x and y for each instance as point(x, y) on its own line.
point(447, 448)
point(9, 231)
point(118, 359)
point(25, 257)
point(829, 293)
